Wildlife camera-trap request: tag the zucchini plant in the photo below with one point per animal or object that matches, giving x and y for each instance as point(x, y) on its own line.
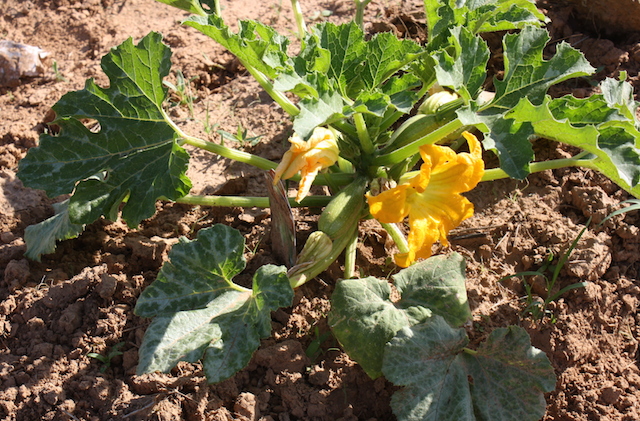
point(355, 130)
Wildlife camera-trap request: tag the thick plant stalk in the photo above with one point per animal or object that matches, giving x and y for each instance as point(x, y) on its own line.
point(297, 13)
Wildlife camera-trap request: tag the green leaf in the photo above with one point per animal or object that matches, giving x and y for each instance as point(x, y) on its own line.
point(41, 238)
point(503, 380)
point(364, 319)
point(462, 65)
point(437, 283)
point(318, 111)
point(130, 152)
point(348, 51)
point(423, 358)
point(386, 54)
point(191, 6)
point(509, 377)
point(197, 272)
point(256, 45)
point(619, 95)
point(200, 314)
point(510, 140)
point(481, 15)
point(527, 74)
point(614, 142)
point(503, 15)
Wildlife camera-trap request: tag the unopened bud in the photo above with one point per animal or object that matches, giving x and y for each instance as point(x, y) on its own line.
point(435, 101)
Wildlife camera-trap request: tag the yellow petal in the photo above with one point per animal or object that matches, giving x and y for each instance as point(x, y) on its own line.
point(390, 205)
point(308, 158)
point(432, 199)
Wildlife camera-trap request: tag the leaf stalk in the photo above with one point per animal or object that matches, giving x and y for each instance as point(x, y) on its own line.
point(297, 14)
point(412, 148)
point(250, 201)
point(534, 167)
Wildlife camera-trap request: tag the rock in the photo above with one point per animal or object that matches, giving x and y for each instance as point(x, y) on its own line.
point(16, 273)
point(18, 61)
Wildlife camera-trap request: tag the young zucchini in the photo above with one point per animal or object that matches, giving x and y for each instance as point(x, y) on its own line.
point(344, 210)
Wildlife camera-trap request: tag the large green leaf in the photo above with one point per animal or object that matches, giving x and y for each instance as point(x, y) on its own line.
point(200, 314)
point(444, 381)
point(615, 142)
point(41, 237)
point(438, 284)
point(256, 45)
point(462, 65)
point(130, 154)
point(191, 6)
point(364, 319)
point(526, 75)
point(481, 15)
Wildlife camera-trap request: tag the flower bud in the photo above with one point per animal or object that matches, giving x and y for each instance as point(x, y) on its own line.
point(435, 101)
point(317, 248)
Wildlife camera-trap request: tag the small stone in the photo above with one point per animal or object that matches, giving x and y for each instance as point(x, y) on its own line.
point(54, 395)
point(7, 237)
point(16, 273)
point(246, 406)
point(107, 286)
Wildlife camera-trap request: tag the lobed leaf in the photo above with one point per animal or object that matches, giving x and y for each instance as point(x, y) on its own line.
point(509, 377)
point(364, 319)
point(481, 15)
point(424, 359)
point(462, 65)
point(614, 142)
point(256, 45)
point(41, 237)
point(200, 314)
point(437, 283)
point(130, 153)
point(526, 75)
point(503, 380)
point(197, 272)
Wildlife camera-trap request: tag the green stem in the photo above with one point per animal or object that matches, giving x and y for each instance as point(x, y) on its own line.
point(360, 6)
point(345, 128)
point(470, 351)
point(340, 179)
point(498, 173)
point(297, 13)
point(216, 8)
point(350, 257)
point(250, 201)
point(412, 148)
point(397, 236)
point(363, 134)
point(277, 96)
point(230, 153)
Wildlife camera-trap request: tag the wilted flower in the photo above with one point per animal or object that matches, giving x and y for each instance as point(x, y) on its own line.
point(308, 157)
point(432, 198)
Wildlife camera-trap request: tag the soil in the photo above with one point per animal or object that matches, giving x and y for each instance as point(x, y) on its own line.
point(79, 300)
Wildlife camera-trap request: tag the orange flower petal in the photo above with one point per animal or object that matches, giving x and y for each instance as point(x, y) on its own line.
point(432, 199)
point(308, 158)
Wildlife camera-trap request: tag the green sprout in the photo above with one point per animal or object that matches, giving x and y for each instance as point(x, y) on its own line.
point(241, 137)
point(106, 359)
point(181, 95)
point(538, 308)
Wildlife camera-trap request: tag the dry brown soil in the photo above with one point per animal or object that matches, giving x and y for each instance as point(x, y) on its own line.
point(80, 299)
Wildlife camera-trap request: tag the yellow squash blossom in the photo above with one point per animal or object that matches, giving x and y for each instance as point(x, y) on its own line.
point(308, 158)
point(432, 198)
